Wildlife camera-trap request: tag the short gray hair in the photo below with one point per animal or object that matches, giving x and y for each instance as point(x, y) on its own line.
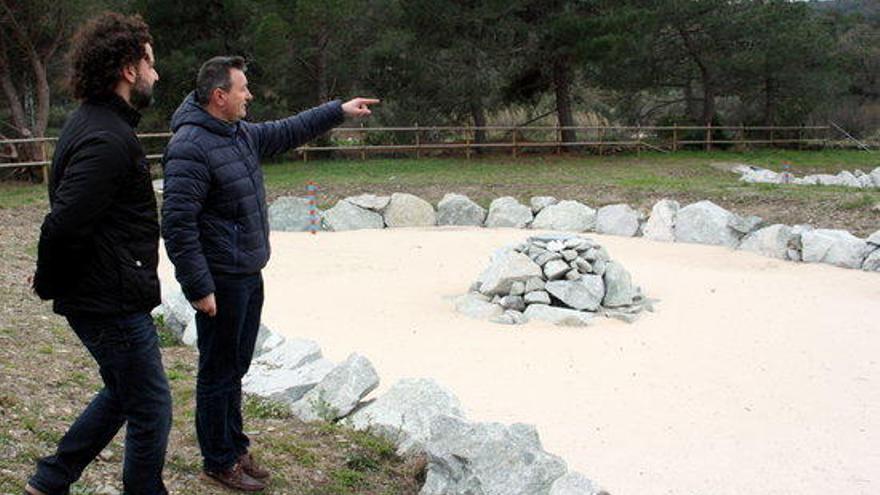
point(215, 74)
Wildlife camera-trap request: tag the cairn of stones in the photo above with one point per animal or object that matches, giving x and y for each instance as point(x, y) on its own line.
point(563, 279)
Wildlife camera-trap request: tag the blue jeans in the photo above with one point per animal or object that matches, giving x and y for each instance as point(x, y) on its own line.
point(226, 347)
point(135, 391)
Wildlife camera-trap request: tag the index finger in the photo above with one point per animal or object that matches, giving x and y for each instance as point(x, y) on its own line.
point(368, 101)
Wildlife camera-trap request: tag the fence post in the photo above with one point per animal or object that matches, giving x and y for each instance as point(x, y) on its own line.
point(46, 157)
point(639, 141)
point(801, 138)
point(363, 143)
point(709, 136)
point(305, 153)
point(674, 137)
point(514, 142)
point(467, 141)
point(558, 139)
point(418, 142)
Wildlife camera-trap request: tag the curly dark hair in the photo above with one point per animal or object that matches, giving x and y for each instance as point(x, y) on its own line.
point(101, 48)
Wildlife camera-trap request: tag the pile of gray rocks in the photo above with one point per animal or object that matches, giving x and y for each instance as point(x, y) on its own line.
point(857, 179)
point(563, 279)
point(418, 415)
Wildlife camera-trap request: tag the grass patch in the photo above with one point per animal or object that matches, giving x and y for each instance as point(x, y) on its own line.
point(258, 407)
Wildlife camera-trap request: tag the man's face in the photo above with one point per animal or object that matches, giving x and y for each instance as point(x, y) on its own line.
point(238, 96)
point(142, 90)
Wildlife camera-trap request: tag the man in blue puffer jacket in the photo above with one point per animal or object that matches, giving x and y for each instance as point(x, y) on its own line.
point(216, 231)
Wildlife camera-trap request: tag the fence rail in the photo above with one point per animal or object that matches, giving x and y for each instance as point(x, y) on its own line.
point(516, 139)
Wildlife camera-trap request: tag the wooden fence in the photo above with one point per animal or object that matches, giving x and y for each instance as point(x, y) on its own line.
point(516, 140)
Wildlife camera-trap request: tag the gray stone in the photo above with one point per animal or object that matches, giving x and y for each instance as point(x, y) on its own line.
point(508, 212)
point(599, 267)
point(457, 209)
point(538, 203)
point(619, 290)
point(572, 275)
point(513, 302)
point(872, 262)
point(706, 223)
point(406, 210)
point(661, 224)
point(563, 317)
point(537, 297)
point(370, 202)
point(569, 216)
point(178, 313)
point(404, 413)
point(874, 238)
point(583, 265)
point(555, 269)
point(847, 179)
point(517, 289)
point(339, 392)
point(875, 176)
point(475, 306)
point(584, 294)
point(760, 175)
point(547, 256)
point(506, 269)
point(619, 219)
point(574, 483)
point(745, 225)
point(578, 243)
point(535, 283)
point(772, 241)
point(346, 216)
point(835, 247)
point(487, 459)
point(286, 385)
point(569, 254)
point(509, 317)
point(291, 354)
point(556, 246)
point(291, 214)
point(191, 334)
point(266, 341)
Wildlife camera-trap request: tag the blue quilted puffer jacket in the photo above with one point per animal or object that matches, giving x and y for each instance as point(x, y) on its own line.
point(214, 214)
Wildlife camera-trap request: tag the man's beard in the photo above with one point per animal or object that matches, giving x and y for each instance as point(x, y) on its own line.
point(141, 94)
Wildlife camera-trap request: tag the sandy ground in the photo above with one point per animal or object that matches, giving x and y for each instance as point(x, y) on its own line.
point(753, 376)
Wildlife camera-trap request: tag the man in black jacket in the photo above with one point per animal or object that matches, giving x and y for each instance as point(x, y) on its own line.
point(216, 231)
point(98, 253)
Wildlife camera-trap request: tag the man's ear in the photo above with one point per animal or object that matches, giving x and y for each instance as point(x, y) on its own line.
point(218, 95)
point(129, 73)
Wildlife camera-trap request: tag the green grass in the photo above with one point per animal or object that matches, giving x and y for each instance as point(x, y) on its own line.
point(13, 194)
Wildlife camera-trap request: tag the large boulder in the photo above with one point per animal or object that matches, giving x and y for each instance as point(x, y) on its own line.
point(872, 261)
point(875, 177)
point(177, 312)
point(406, 210)
point(619, 219)
point(369, 202)
point(347, 216)
point(706, 223)
point(488, 459)
point(835, 247)
point(563, 317)
point(508, 212)
point(339, 392)
point(584, 294)
point(404, 413)
point(267, 340)
point(292, 214)
point(505, 269)
point(458, 209)
point(538, 203)
point(874, 239)
point(619, 289)
point(772, 241)
point(570, 216)
point(661, 224)
point(760, 175)
point(286, 385)
point(476, 305)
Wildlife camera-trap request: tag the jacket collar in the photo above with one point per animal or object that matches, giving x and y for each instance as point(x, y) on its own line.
point(121, 107)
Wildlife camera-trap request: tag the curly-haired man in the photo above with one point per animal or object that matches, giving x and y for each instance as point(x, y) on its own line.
point(98, 254)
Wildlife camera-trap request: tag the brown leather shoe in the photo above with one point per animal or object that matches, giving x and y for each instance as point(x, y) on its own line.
point(236, 479)
point(250, 466)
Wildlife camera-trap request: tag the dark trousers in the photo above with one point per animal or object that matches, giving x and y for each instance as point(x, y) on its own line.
point(226, 346)
point(135, 391)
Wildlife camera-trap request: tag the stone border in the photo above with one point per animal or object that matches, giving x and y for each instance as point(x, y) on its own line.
point(856, 179)
point(418, 415)
point(702, 222)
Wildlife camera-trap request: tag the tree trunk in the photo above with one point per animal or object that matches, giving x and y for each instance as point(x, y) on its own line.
point(321, 67)
point(690, 101)
point(562, 84)
point(479, 116)
point(769, 102)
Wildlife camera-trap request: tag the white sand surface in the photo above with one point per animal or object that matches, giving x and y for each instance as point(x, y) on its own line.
point(754, 376)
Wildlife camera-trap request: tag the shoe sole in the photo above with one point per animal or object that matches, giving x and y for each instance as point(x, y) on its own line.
point(214, 481)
